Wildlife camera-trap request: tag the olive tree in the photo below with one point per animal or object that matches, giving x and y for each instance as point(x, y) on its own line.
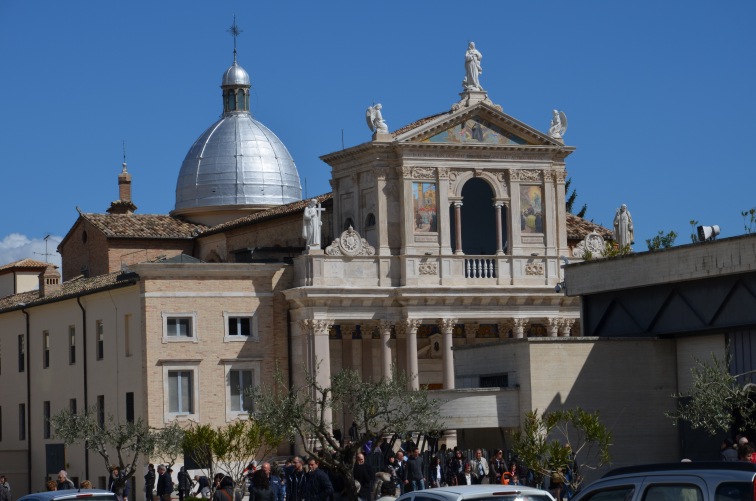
point(561, 444)
point(229, 448)
point(379, 408)
point(718, 401)
point(119, 444)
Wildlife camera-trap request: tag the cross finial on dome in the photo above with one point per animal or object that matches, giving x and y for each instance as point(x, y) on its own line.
point(235, 32)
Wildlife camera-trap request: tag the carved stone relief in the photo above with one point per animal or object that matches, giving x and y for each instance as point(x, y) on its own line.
point(525, 175)
point(429, 268)
point(593, 243)
point(443, 173)
point(350, 244)
point(534, 269)
point(548, 176)
point(424, 173)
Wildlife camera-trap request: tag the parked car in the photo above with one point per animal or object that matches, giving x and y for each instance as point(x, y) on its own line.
point(484, 492)
point(689, 481)
point(70, 495)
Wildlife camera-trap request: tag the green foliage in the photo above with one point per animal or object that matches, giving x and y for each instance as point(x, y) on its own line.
point(613, 250)
point(379, 408)
point(662, 240)
point(694, 231)
point(127, 441)
point(749, 220)
point(229, 448)
point(563, 440)
point(718, 400)
point(570, 202)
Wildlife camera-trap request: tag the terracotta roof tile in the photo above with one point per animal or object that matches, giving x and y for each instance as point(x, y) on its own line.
point(417, 124)
point(578, 228)
point(72, 288)
point(25, 264)
point(143, 226)
point(281, 210)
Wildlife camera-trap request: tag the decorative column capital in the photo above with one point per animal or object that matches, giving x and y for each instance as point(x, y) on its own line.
point(384, 326)
point(311, 326)
point(553, 325)
point(471, 331)
point(505, 326)
point(565, 325)
point(446, 324)
point(412, 325)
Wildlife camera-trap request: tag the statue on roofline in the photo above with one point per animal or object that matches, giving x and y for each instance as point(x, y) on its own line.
point(375, 119)
point(473, 69)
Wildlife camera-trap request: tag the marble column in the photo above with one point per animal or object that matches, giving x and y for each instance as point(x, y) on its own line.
point(319, 361)
point(553, 326)
point(347, 333)
point(401, 347)
point(446, 325)
point(471, 332)
point(458, 227)
point(520, 324)
point(366, 332)
point(384, 327)
point(499, 236)
point(411, 325)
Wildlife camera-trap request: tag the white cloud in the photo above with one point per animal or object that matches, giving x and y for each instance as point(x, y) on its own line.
point(16, 246)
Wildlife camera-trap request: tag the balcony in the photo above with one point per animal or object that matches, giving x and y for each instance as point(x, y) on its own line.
point(321, 270)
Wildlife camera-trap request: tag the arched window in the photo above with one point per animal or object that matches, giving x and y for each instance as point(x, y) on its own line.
point(370, 220)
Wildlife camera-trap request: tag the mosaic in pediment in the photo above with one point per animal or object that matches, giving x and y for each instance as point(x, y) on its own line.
point(476, 130)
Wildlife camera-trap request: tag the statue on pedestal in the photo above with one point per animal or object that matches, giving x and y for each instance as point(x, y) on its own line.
point(473, 69)
point(375, 119)
point(624, 232)
point(312, 223)
point(558, 125)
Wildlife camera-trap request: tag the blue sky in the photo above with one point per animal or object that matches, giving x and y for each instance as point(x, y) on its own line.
point(659, 95)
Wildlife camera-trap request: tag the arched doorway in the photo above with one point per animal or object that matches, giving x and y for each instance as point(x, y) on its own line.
point(478, 219)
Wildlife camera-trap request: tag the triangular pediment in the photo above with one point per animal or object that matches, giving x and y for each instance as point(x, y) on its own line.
point(476, 130)
point(482, 124)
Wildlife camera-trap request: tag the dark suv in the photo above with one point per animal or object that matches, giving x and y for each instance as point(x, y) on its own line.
point(690, 481)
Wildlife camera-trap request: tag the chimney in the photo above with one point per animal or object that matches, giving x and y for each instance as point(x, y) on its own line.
point(49, 282)
point(123, 205)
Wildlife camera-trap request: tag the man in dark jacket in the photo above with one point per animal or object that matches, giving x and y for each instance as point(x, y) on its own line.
point(318, 486)
point(149, 482)
point(414, 476)
point(295, 481)
point(164, 484)
point(363, 473)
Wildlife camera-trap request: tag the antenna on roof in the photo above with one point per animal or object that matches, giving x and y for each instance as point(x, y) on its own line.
point(342, 139)
point(235, 32)
point(46, 254)
point(305, 195)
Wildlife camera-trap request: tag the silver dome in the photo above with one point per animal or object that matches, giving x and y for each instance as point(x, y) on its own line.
point(237, 161)
point(236, 75)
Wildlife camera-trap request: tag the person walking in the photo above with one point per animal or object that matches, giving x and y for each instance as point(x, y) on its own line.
point(184, 483)
point(318, 486)
point(164, 484)
point(149, 482)
point(5, 490)
point(414, 477)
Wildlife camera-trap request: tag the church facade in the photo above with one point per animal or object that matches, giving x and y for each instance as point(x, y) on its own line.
point(449, 232)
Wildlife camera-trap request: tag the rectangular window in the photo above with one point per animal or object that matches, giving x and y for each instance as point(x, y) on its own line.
point(71, 344)
point(240, 381)
point(46, 419)
point(22, 421)
point(179, 327)
point(72, 405)
point(21, 353)
point(101, 411)
point(100, 333)
point(130, 407)
point(494, 381)
point(46, 349)
point(180, 392)
point(127, 335)
point(239, 326)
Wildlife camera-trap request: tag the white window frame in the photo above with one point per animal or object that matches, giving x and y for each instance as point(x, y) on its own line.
point(180, 339)
point(227, 337)
point(192, 367)
point(239, 365)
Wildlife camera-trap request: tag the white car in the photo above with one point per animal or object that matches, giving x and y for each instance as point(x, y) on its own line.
point(483, 492)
